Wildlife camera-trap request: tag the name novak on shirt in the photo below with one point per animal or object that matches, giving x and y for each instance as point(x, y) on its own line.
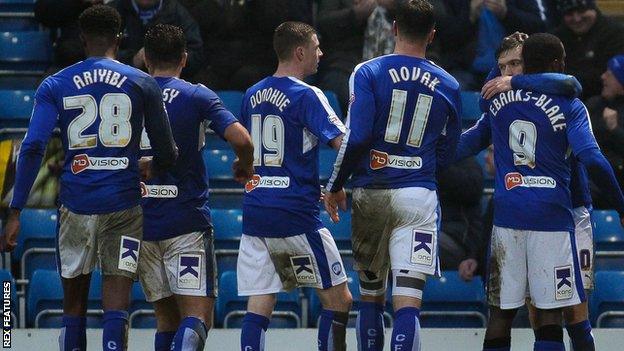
point(414, 74)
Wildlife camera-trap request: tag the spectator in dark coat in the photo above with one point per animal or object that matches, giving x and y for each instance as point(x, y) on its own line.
point(607, 117)
point(140, 15)
point(590, 40)
point(461, 234)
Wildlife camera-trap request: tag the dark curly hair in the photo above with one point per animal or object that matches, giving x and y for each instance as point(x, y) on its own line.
point(414, 18)
point(165, 45)
point(100, 21)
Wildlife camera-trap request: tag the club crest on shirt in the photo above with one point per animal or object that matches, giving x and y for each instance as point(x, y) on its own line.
point(422, 247)
point(563, 283)
point(128, 254)
point(303, 269)
point(189, 268)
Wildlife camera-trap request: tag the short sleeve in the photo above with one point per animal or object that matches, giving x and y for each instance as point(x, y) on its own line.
point(212, 110)
point(319, 118)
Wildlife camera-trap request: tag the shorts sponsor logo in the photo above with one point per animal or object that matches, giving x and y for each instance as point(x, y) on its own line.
point(422, 248)
point(563, 283)
point(83, 162)
point(128, 254)
point(304, 271)
point(380, 159)
point(337, 268)
point(515, 179)
point(258, 181)
point(189, 267)
point(159, 191)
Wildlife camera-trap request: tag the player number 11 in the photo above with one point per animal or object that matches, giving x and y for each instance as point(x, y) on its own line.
point(419, 118)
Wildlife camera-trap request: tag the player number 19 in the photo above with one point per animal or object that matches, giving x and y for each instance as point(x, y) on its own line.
point(419, 118)
point(268, 135)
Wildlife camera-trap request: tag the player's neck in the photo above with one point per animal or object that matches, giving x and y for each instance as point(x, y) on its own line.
point(410, 49)
point(175, 73)
point(287, 69)
point(110, 53)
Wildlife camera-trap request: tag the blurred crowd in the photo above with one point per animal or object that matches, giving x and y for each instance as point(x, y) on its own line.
point(230, 48)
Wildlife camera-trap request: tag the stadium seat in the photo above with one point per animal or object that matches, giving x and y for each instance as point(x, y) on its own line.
point(607, 300)
point(17, 24)
point(230, 308)
point(5, 276)
point(609, 239)
point(44, 305)
point(327, 157)
point(228, 227)
point(30, 51)
point(17, 6)
point(449, 302)
point(334, 103)
point(470, 106)
point(17, 104)
point(341, 231)
point(219, 167)
point(232, 100)
point(36, 240)
point(19, 82)
point(141, 312)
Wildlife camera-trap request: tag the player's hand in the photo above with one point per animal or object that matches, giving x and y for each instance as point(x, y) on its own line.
point(519, 36)
point(498, 7)
point(138, 60)
point(467, 268)
point(610, 117)
point(475, 9)
point(363, 8)
point(333, 201)
point(242, 172)
point(496, 86)
point(8, 241)
point(145, 168)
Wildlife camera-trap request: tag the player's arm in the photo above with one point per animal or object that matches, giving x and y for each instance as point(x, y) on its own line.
point(475, 139)
point(586, 149)
point(544, 83)
point(447, 141)
point(44, 119)
point(157, 126)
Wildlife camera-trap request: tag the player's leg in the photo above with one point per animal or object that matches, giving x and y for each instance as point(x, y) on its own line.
point(506, 285)
point(333, 292)
point(576, 318)
point(555, 283)
point(258, 279)
point(407, 289)
point(370, 238)
point(191, 270)
point(153, 278)
point(119, 240)
point(76, 249)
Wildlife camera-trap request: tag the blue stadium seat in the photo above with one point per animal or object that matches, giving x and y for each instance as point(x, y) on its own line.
point(19, 82)
point(334, 103)
point(232, 100)
point(17, 104)
point(17, 6)
point(37, 230)
point(607, 300)
point(17, 24)
point(470, 106)
point(327, 157)
point(609, 239)
point(213, 141)
point(228, 227)
point(141, 312)
point(44, 303)
point(230, 308)
point(341, 231)
point(5, 276)
point(28, 51)
point(449, 302)
point(219, 167)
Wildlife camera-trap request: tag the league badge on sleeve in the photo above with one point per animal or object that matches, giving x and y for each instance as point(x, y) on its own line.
point(422, 247)
point(563, 283)
point(128, 254)
point(303, 268)
point(189, 268)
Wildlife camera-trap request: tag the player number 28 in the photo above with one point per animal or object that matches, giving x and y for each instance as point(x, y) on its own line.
point(419, 118)
point(115, 129)
point(270, 134)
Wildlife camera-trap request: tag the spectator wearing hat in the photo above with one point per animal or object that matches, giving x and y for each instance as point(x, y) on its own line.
point(607, 117)
point(590, 39)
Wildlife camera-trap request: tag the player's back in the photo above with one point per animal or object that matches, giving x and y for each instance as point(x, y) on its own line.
point(287, 119)
point(413, 100)
point(101, 106)
point(530, 138)
point(183, 190)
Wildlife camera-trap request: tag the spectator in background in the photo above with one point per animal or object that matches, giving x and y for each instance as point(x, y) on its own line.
point(607, 118)
point(238, 38)
point(590, 39)
point(341, 24)
point(140, 15)
point(461, 236)
point(378, 36)
point(63, 16)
